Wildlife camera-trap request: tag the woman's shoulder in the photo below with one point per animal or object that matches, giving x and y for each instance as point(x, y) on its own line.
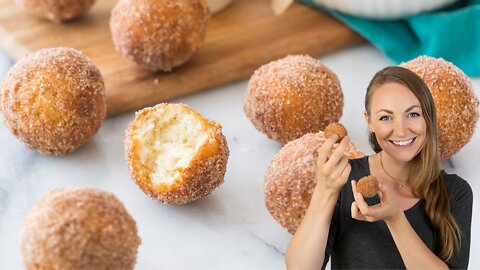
point(454, 181)
point(457, 187)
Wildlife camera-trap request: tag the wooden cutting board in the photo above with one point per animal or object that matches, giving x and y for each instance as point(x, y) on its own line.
point(239, 40)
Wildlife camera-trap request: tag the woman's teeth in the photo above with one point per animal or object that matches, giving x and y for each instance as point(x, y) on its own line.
point(403, 143)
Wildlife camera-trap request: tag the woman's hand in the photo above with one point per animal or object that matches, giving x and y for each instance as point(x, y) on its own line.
point(388, 209)
point(308, 245)
point(332, 166)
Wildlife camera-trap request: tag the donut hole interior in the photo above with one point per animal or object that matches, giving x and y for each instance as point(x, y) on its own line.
point(168, 143)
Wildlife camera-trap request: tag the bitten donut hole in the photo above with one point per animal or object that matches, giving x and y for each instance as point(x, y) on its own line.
point(174, 154)
point(169, 142)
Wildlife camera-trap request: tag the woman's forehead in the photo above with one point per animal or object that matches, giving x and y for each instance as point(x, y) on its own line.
point(393, 96)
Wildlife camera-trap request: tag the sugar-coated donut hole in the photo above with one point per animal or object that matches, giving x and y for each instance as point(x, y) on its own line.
point(159, 34)
point(79, 228)
point(293, 96)
point(368, 186)
point(172, 146)
point(455, 101)
point(57, 10)
point(174, 154)
point(53, 100)
point(337, 129)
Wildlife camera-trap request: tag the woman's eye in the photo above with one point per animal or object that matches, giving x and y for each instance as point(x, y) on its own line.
point(413, 114)
point(384, 118)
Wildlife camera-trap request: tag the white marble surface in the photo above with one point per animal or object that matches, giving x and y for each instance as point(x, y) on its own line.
point(230, 228)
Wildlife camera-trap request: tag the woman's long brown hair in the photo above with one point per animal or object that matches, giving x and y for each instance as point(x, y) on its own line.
point(425, 179)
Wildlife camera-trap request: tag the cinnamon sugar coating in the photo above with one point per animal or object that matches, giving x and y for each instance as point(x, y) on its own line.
point(174, 154)
point(290, 179)
point(292, 96)
point(159, 34)
point(57, 10)
point(53, 100)
point(455, 101)
point(368, 186)
point(335, 128)
point(80, 228)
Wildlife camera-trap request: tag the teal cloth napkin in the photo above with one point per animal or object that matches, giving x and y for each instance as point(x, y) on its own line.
point(452, 33)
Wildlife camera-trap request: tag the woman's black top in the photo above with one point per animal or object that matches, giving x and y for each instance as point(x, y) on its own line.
point(359, 244)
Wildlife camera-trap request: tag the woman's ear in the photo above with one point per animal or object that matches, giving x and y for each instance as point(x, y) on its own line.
point(370, 128)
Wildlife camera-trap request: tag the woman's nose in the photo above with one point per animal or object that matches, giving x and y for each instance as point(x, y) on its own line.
point(400, 128)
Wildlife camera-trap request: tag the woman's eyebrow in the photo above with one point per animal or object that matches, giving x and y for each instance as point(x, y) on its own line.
point(412, 107)
point(407, 110)
point(385, 110)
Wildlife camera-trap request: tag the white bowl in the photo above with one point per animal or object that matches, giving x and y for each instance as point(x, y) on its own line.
point(384, 9)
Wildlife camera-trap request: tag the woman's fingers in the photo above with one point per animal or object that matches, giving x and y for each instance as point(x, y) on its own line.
point(338, 153)
point(325, 150)
point(335, 157)
point(380, 195)
point(338, 170)
point(365, 209)
point(354, 187)
point(346, 172)
point(332, 164)
point(356, 212)
point(385, 209)
point(323, 154)
point(325, 164)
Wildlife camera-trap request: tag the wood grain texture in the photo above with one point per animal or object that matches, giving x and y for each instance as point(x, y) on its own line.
point(239, 40)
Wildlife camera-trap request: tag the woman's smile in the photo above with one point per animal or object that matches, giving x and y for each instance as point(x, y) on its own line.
point(405, 144)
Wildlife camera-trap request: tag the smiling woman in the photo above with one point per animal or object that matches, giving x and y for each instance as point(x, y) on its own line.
point(395, 115)
point(405, 136)
point(421, 217)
